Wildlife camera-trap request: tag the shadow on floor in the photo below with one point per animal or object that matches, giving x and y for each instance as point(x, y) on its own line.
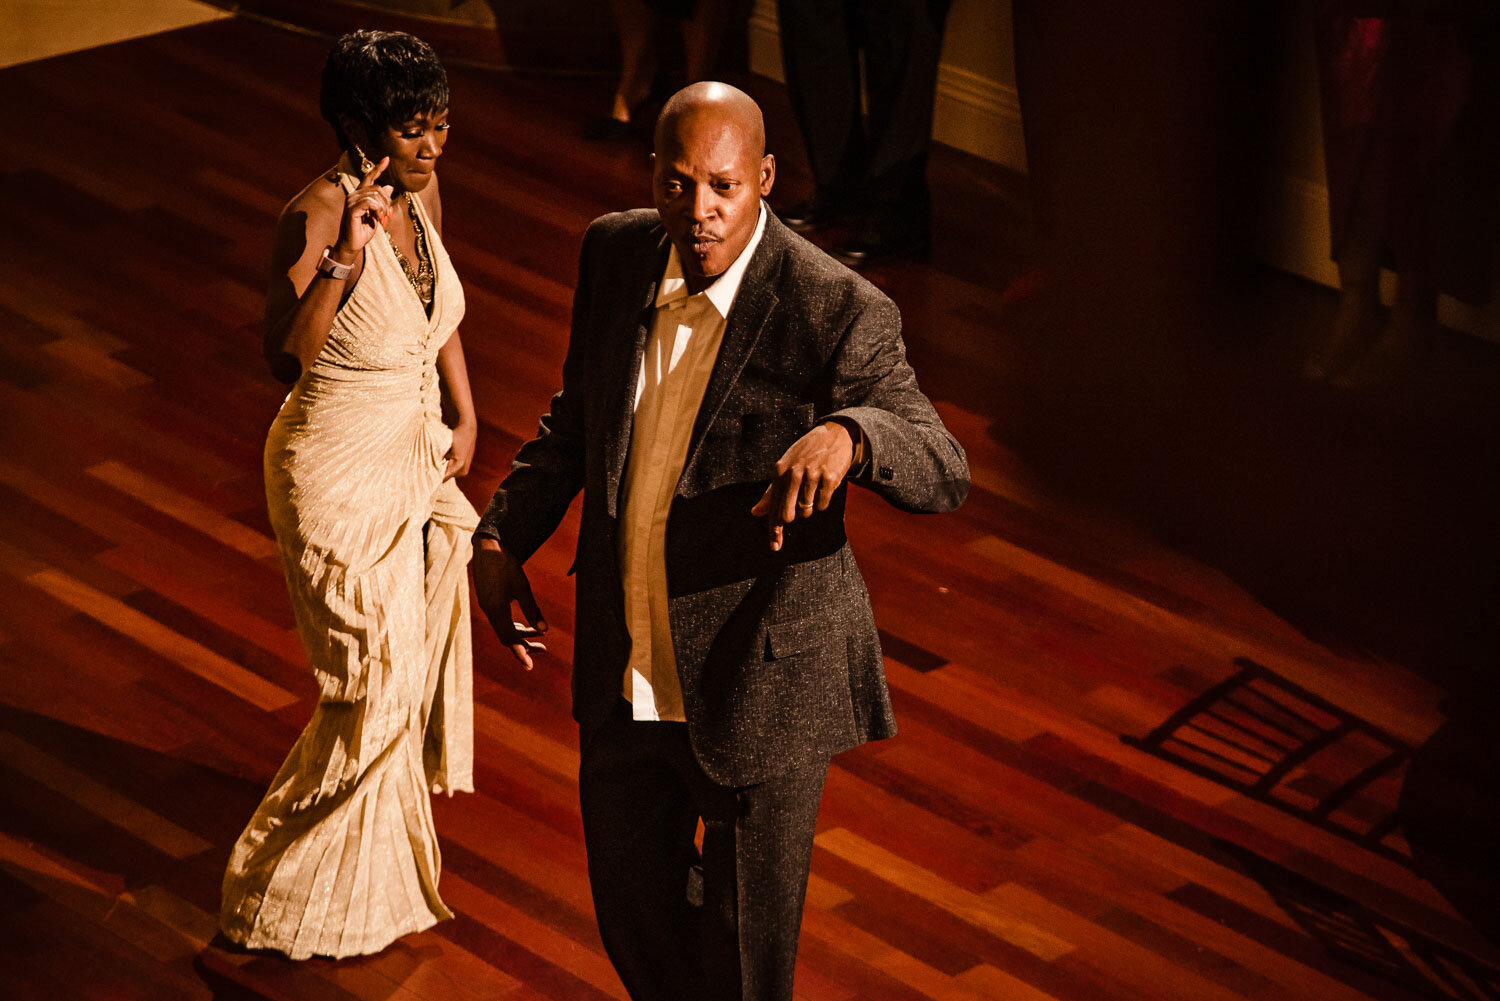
point(1434, 808)
point(1450, 811)
point(1275, 742)
point(1355, 934)
point(137, 821)
point(108, 818)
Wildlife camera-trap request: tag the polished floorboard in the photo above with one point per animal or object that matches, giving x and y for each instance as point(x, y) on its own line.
point(39, 29)
point(1057, 819)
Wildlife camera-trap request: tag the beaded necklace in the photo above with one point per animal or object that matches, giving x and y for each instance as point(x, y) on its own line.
point(421, 277)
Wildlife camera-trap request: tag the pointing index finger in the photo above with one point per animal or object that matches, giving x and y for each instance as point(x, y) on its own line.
point(368, 181)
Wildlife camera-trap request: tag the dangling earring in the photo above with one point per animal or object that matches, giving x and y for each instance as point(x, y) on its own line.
point(365, 166)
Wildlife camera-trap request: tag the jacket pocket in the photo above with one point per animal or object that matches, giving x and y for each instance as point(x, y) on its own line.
point(783, 639)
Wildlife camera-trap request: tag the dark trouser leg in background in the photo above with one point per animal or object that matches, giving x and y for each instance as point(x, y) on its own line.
point(702, 34)
point(903, 42)
point(642, 791)
point(819, 52)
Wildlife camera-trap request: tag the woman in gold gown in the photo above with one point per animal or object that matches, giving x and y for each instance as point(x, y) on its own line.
point(341, 857)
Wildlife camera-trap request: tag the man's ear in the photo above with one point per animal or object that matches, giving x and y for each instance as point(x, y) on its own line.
point(767, 174)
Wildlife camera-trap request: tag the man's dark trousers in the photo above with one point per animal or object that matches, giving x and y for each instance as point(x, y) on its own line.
point(678, 928)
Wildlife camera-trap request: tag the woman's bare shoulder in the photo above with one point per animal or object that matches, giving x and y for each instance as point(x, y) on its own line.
point(321, 203)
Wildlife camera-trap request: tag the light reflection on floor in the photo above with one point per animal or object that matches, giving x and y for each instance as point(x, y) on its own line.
point(39, 29)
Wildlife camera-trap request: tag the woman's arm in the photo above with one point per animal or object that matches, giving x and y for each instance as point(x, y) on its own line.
point(455, 375)
point(302, 301)
point(452, 368)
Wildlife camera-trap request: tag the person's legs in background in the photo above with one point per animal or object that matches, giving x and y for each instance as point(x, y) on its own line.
point(1358, 320)
point(820, 55)
point(702, 34)
point(1409, 125)
point(702, 22)
point(1404, 342)
point(636, 24)
point(903, 42)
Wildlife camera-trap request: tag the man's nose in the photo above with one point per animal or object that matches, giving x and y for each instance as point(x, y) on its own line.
point(702, 202)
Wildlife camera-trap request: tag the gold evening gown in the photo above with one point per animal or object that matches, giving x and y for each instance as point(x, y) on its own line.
point(341, 857)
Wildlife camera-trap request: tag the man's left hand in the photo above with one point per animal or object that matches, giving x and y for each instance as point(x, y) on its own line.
point(806, 477)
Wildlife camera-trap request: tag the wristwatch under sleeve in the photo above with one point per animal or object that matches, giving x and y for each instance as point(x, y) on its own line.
point(861, 457)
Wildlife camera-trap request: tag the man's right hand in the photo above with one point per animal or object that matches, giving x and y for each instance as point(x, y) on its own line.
point(500, 581)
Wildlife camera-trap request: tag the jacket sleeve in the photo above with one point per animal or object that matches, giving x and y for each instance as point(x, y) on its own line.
point(548, 471)
point(913, 461)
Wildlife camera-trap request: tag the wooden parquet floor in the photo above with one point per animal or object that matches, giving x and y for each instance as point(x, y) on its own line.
point(1006, 845)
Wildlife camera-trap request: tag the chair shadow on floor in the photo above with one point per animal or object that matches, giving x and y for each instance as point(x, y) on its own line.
point(1351, 932)
point(1280, 744)
point(1432, 808)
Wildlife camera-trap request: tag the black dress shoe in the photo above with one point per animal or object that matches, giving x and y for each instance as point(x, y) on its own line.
point(815, 213)
point(883, 239)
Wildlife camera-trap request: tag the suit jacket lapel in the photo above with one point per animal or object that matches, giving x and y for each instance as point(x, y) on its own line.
point(638, 284)
point(747, 317)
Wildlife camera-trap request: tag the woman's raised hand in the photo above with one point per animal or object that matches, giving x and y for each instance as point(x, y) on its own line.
point(367, 209)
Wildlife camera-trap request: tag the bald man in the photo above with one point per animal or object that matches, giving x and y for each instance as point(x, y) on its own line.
point(724, 382)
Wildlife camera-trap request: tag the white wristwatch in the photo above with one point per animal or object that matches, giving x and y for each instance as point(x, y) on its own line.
point(333, 269)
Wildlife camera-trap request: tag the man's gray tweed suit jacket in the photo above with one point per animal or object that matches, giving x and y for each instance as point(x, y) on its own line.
point(777, 652)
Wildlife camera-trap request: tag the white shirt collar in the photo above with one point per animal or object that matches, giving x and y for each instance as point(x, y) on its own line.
point(722, 292)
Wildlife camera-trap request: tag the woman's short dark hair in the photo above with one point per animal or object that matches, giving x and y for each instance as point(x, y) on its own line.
point(380, 79)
